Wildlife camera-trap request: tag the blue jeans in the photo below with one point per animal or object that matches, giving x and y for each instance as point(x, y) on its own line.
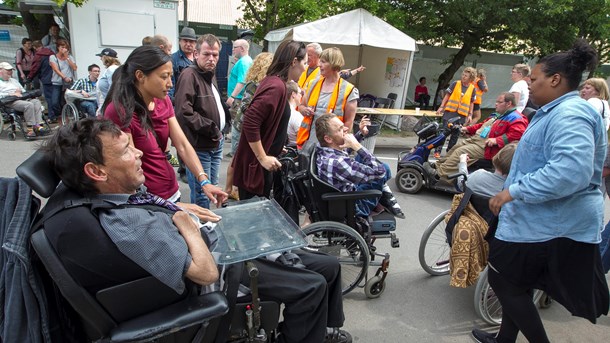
point(365, 206)
point(89, 107)
point(604, 248)
point(56, 101)
point(210, 160)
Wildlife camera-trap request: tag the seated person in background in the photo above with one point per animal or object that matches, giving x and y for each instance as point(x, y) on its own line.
point(87, 87)
point(421, 93)
point(31, 108)
point(487, 138)
point(483, 182)
point(95, 159)
point(347, 174)
point(294, 99)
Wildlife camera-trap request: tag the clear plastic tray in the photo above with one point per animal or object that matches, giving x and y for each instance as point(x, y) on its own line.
point(254, 229)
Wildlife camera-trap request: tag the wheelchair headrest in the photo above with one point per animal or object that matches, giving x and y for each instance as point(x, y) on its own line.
point(38, 172)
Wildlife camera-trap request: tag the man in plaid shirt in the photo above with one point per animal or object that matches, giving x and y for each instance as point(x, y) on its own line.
point(87, 87)
point(338, 168)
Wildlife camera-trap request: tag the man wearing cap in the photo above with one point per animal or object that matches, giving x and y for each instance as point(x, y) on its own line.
point(185, 56)
point(202, 114)
point(87, 88)
point(111, 62)
point(31, 108)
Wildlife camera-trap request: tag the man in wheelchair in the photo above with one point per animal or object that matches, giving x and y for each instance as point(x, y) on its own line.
point(32, 108)
point(345, 173)
point(87, 88)
point(95, 160)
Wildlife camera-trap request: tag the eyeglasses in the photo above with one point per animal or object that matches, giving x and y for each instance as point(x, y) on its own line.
point(237, 46)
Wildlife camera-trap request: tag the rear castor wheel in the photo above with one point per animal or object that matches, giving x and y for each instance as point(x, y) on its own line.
point(545, 301)
point(11, 136)
point(374, 287)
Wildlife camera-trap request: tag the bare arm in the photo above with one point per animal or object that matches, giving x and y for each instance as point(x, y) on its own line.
point(202, 269)
point(517, 97)
point(443, 103)
point(268, 162)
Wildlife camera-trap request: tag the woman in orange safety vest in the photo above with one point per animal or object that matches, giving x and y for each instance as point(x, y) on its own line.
point(328, 93)
point(458, 102)
point(480, 87)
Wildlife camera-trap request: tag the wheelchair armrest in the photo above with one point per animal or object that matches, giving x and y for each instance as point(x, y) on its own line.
point(188, 312)
point(356, 195)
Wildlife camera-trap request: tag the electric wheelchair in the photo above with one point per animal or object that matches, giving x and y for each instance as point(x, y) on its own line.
point(335, 229)
point(15, 120)
point(142, 309)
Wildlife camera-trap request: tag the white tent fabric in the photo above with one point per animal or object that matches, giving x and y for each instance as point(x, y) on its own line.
point(357, 27)
point(386, 52)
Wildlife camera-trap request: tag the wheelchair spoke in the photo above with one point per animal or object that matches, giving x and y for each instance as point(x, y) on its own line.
point(433, 249)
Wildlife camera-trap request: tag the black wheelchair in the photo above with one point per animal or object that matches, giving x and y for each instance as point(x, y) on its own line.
point(15, 120)
point(335, 229)
point(141, 310)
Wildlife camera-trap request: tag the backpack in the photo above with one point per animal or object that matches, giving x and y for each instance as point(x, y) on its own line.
point(249, 90)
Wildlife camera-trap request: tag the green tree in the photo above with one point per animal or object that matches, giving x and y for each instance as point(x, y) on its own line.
point(38, 24)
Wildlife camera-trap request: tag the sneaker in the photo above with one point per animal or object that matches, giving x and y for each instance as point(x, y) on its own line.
point(484, 336)
point(389, 202)
point(40, 130)
point(336, 335)
point(437, 155)
point(30, 134)
point(173, 161)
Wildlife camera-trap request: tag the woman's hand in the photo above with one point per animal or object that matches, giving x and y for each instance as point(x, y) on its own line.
point(496, 203)
point(216, 195)
point(364, 125)
point(306, 111)
point(203, 214)
point(270, 163)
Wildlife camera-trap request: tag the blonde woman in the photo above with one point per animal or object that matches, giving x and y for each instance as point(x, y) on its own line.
point(595, 91)
point(520, 88)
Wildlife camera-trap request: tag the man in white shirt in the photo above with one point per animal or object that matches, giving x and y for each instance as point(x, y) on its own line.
point(31, 108)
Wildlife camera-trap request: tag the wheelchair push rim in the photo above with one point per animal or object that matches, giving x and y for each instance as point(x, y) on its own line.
point(433, 248)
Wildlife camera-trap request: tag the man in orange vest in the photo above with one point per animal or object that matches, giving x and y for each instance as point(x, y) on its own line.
point(480, 87)
point(458, 102)
point(314, 50)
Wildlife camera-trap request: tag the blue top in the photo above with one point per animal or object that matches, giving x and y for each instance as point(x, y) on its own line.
point(179, 62)
point(238, 75)
point(555, 176)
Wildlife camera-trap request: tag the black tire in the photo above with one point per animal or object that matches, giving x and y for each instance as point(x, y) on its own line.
point(339, 240)
point(11, 136)
point(374, 287)
point(409, 180)
point(69, 114)
point(433, 247)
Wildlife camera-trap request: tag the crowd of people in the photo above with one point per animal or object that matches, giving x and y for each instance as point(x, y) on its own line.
point(300, 94)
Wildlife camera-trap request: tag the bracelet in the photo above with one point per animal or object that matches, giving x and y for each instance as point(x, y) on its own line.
point(204, 182)
point(202, 173)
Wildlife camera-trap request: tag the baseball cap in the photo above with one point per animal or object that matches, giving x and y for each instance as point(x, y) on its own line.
point(188, 33)
point(6, 65)
point(107, 52)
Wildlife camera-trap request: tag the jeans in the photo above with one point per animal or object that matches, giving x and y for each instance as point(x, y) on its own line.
point(365, 206)
point(210, 160)
point(56, 101)
point(89, 107)
point(604, 248)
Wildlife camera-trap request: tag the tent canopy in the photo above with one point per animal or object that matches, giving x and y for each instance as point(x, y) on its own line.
point(357, 27)
point(386, 52)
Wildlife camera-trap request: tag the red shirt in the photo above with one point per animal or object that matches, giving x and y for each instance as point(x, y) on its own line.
point(419, 89)
point(160, 175)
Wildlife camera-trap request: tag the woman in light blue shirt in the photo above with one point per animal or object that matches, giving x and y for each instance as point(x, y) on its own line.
point(552, 206)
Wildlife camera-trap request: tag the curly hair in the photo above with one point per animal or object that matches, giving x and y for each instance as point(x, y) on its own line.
point(258, 69)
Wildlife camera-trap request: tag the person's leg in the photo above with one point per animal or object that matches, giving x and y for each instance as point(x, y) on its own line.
point(55, 105)
point(475, 148)
point(604, 248)
point(234, 140)
point(89, 107)
point(426, 101)
point(453, 137)
point(28, 111)
point(519, 312)
point(37, 110)
point(197, 195)
point(47, 92)
point(215, 159)
point(304, 294)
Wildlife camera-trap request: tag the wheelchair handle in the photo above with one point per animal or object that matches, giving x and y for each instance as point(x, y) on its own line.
point(252, 270)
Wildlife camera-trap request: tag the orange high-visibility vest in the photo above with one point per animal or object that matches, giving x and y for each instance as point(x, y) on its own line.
point(479, 92)
point(459, 102)
point(305, 79)
point(339, 96)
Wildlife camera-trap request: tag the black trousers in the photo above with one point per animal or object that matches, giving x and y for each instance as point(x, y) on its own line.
point(312, 296)
point(453, 137)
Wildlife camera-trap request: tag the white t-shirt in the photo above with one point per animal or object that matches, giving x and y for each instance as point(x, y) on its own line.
point(524, 93)
point(293, 126)
point(602, 107)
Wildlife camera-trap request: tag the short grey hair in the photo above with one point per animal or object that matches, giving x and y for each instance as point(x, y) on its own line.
point(316, 47)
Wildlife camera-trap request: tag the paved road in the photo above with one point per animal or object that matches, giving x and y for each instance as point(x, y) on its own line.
point(415, 306)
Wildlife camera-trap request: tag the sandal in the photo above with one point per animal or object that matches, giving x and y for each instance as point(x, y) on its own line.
point(336, 335)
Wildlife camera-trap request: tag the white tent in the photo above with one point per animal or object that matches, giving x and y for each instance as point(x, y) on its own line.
point(386, 52)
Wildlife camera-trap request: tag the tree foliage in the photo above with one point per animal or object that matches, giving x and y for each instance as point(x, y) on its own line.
point(38, 24)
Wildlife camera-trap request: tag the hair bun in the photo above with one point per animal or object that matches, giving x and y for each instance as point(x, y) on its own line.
point(583, 54)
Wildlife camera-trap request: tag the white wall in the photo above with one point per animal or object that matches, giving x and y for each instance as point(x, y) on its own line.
point(85, 29)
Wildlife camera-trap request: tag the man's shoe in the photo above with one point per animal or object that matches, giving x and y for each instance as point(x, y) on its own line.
point(483, 336)
point(437, 155)
point(389, 202)
point(336, 335)
point(429, 169)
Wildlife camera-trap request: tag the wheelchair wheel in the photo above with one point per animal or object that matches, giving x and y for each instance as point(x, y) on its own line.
point(486, 303)
point(433, 247)
point(374, 287)
point(409, 180)
point(343, 242)
point(69, 114)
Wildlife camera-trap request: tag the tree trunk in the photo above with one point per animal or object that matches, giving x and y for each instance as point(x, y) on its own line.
point(444, 79)
point(37, 26)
